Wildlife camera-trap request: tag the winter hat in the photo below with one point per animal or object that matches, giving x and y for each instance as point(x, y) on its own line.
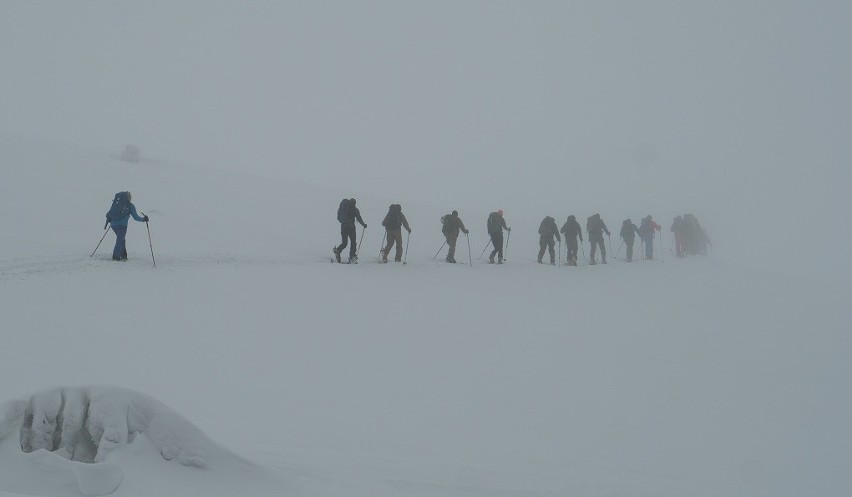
point(455, 213)
point(500, 212)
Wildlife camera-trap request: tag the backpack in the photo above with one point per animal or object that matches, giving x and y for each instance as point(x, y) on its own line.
point(394, 217)
point(120, 206)
point(343, 211)
point(445, 223)
point(546, 226)
point(493, 223)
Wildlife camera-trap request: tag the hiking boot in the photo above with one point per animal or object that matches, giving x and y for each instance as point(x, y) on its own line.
point(353, 259)
point(337, 254)
point(593, 262)
point(491, 259)
point(603, 261)
point(500, 260)
point(385, 258)
point(539, 260)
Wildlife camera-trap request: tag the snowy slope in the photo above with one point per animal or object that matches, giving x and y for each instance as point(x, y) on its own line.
point(687, 377)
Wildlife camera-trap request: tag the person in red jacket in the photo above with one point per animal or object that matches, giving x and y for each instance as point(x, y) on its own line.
point(646, 231)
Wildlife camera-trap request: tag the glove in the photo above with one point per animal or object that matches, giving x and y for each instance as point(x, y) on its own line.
point(364, 225)
point(145, 219)
point(509, 229)
point(409, 230)
point(466, 231)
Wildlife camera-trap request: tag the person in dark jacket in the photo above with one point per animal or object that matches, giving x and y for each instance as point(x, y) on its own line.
point(628, 234)
point(496, 225)
point(347, 216)
point(394, 222)
point(596, 228)
point(118, 222)
point(451, 224)
point(571, 229)
point(679, 230)
point(547, 230)
point(646, 231)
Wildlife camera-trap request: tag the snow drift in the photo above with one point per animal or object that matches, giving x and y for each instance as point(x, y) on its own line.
point(71, 436)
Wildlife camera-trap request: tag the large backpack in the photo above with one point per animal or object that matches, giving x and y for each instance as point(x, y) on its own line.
point(393, 220)
point(494, 223)
point(120, 206)
point(343, 211)
point(546, 226)
point(446, 224)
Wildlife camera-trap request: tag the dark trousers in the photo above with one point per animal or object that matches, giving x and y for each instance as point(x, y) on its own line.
point(452, 238)
point(649, 246)
point(597, 241)
point(394, 236)
point(547, 244)
point(347, 235)
point(497, 241)
point(572, 249)
point(119, 252)
point(629, 243)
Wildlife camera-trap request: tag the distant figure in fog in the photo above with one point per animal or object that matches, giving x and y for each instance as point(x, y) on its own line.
point(571, 229)
point(117, 218)
point(547, 230)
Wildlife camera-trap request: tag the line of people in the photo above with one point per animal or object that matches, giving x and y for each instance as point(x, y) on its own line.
point(690, 238)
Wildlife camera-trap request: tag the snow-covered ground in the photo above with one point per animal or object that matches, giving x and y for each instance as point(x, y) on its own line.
point(696, 377)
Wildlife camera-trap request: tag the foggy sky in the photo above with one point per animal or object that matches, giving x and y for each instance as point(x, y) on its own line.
point(723, 108)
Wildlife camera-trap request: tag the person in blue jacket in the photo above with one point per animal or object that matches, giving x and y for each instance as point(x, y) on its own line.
point(117, 218)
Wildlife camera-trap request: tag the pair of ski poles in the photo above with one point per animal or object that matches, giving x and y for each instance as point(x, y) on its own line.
point(382, 248)
point(469, 256)
point(505, 251)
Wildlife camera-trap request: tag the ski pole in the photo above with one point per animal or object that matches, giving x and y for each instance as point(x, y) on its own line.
point(661, 245)
point(358, 250)
point(559, 255)
point(506, 252)
point(583, 249)
point(439, 250)
point(99, 243)
point(149, 242)
point(407, 239)
point(382, 246)
point(609, 237)
point(619, 249)
point(469, 256)
point(483, 250)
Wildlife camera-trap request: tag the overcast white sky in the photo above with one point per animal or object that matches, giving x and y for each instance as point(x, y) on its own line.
point(655, 106)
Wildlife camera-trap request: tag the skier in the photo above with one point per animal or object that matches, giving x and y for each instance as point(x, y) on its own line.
point(117, 218)
point(571, 229)
point(596, 228)
point(451, 224)
point(347, 213)
point(696, 237)
point(628, 234)
point(496, 225)
point(548, 230)
point(646, 231)
point(679, 230)
point(393, 223)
